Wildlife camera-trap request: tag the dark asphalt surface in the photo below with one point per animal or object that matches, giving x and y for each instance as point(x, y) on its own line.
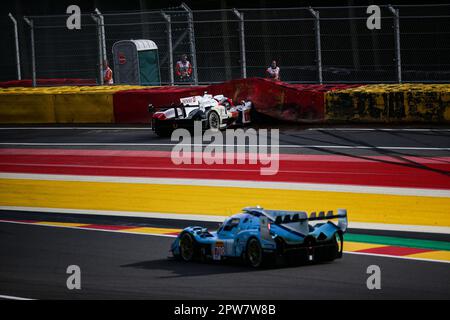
point(114, 265)
point(34, 258)
point(295, 140)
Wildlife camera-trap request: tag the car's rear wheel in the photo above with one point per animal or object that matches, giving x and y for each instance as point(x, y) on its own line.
point(188, 247)
point(339, 242)
point(254, 253)
point(214, 120)
point(336, 248)
point(162, 133)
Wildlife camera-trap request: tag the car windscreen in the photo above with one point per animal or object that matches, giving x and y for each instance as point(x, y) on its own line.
point(230, 224)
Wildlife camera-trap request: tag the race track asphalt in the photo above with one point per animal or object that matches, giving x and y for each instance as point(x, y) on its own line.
point(116, 265)
point(333, 141)
point(126, 266)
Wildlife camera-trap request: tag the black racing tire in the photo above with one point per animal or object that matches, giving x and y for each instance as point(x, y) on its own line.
point(162, 133)
point(254, 254)
point(339, 242)
point(214, 121)
point(188, 247)
point(336, 249)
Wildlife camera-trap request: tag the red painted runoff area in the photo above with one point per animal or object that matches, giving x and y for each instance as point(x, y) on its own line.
point(395, 251)
point(414, 172)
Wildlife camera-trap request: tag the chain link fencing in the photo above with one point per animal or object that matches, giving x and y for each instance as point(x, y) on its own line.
point(311, 45)
point(425, 45)
point(9, 63)
point(62, 53)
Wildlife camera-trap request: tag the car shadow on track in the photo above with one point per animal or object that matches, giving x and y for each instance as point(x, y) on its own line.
point(183, 269)
point(189, 269)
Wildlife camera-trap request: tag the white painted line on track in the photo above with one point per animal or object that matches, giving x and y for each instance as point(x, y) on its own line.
point(381, 129)
point(399, 227)
point(155, 215)
point(13, 298)
point(213, 218)
point(291, 146)
point(308, 129)
point(396, 257)
point(174, 236)
point(441, 193)
point(76, 128)
point(91, 229)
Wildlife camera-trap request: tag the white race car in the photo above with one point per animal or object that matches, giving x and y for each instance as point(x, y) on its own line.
point(215, 112)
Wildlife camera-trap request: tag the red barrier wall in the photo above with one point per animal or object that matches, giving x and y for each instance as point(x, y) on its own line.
point(290, 102)
point(297, 103)
point(277, 99)
point(131, 106)
point(286, 102)
point(280, 100)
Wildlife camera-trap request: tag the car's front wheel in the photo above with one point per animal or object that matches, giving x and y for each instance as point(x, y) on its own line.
point(214, 120)
point(187, 247)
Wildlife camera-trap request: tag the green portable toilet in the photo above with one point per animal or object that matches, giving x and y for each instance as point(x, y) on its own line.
point(136, 62)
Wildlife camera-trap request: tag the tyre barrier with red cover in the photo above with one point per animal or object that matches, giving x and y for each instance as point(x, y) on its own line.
point(389, 103)
point(288, 102)
point(279, 100)
point(131, 106)
point(62, 104)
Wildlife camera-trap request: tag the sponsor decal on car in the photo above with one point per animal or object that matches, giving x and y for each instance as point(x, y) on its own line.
point(189, 100)
point(218, 250)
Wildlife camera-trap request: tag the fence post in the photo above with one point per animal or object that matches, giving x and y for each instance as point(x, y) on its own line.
point(316, 15)
point(398, 59)
point(102, 33)
point(169, 46)
point(33, 54)
point(100, 53)
point(192, 40)
point(16, 41)
point(240, 16)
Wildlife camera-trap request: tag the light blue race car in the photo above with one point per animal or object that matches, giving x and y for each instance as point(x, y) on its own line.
point(260, 237)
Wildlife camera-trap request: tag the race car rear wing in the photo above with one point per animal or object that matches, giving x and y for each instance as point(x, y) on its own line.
point(179, 110)
point(341, 216)
point(299, 220)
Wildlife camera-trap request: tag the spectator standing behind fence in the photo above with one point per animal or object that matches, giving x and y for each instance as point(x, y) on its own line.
point(107, 73)
point(273, 72)
point(184, 69)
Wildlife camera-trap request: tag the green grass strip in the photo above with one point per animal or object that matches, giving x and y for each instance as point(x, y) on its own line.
point(401, 242)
